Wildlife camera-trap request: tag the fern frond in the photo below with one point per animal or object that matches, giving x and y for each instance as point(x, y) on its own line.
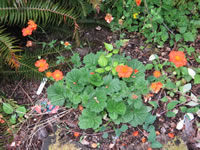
point(96, 4)
point(8, 49)
point(43, 12)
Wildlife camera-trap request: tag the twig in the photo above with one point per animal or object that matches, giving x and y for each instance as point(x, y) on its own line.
point(16, 87)
point(26, 94)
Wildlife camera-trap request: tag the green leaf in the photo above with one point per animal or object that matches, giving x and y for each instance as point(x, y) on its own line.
point(164, 36)
point(13, 119)
point(21, 111)
point(150, 119)
point(105, 135)
point(137, 103)
point(98, 103)
point(123, 128)
point(177, 37)
point(154, 104)
point(90, 60)
point(56, 94)
point(113, 85)
point(100, 70)
point(172, 104)
point(108, 68)
point(139, 116)
point(170, 114)
point(115, 51)
point(197, 79)
point(188, 36)
point(170, 85)
point(116, 107)
point(152, 136)
point(156, 144)
point(77, 78)
point(89, 119)
point(7, 108)
point(182, 29)
point(96, 80)
point(103, 61)
point(75, 59)
point(187, 87)
point(76, 99)
point(164, 99)
point(109, 47)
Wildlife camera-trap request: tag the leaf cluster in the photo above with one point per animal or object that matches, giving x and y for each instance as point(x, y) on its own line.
point(103, 92)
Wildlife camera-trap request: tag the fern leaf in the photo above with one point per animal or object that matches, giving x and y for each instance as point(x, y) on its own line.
point(8, 49)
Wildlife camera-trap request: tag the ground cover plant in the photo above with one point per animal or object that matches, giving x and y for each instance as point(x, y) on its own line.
point(119, 95)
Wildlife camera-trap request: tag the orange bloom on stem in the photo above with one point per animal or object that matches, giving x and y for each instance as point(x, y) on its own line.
point(57, 75)
point(156, 73)
point(171, 135)
point(76, 134)
point(178, 58)
point(32, 25)
point(136, 71)
point(108, 18)
point(26, 31)
point(156, 86)
point(134, 96)
point(124, 71)
point(138, 2)
point(29, 43)
point(48, 74)
point(149, 148)
point(143, 140)
point(135, 133)
point(67, 44)
point(42, 65)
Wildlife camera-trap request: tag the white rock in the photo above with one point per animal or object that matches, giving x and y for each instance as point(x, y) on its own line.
point(180, 125)
point(191, 72)
point(152, 57)
point(190, 115)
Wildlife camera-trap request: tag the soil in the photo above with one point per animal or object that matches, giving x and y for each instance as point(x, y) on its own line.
point(34, 132)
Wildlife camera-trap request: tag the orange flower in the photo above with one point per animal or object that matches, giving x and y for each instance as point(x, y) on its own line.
point(134, 96)
point(57, 75)
point(48, 74)
point(178, 58)
point(124, 71)
point(149, 148)
point(138, 2)
point(171, 135)
point(42, 65)
point(29, 43)
point(157, 133)
point(80, 107)
point(67, 44)
point(135, 133)
point(143, 139)
point(26, 31)
point(156, 86)
point(156, 73)
point(2, 121)
point(108, 18)
point(120, 21)
point(136, 71)
point(32, 25)
point(76, 134)
point(91, 73)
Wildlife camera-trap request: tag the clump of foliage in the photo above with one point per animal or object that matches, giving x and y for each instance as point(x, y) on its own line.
point(158, 20)
point(102, 91)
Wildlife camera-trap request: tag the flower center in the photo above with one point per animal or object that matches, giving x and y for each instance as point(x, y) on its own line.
point(178, 58)
point(124, 69)
point(41, 65)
